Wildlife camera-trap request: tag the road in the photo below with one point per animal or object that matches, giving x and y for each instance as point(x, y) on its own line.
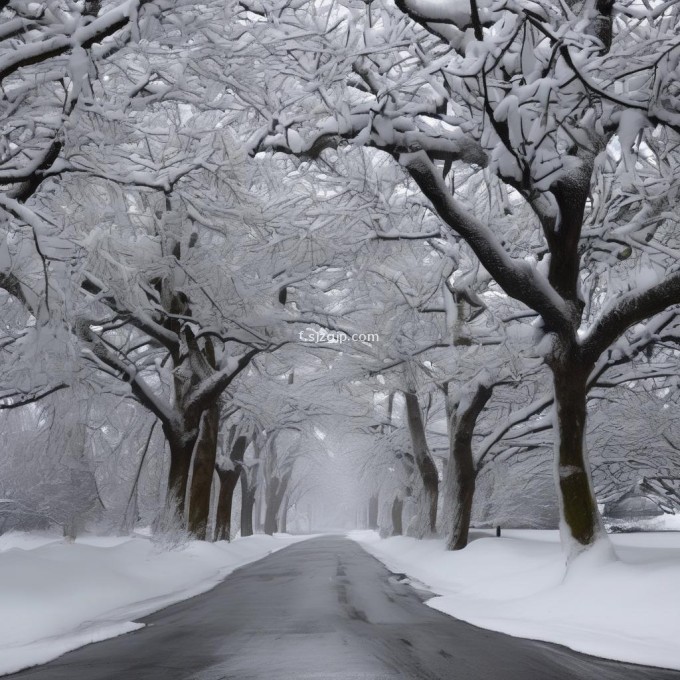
point(322, 609)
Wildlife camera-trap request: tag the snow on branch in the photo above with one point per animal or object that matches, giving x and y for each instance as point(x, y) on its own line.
point(84, 36)
point(517, 278)
point(629, 309)
point(633, 346)
point(394, 134)
point(96, 349)
point(208, 390)
point(138, 318)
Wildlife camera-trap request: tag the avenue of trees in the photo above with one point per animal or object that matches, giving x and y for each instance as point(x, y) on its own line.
point(422, 255)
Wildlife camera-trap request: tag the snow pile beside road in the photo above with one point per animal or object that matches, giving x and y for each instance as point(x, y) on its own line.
point(626, 609)
point(57, 596)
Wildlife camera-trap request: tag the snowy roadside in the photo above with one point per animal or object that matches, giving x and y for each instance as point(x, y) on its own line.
point(626, 609)
point(56, 596)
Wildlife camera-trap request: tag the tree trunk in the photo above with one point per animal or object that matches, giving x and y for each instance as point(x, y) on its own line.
point(461, 473)
point(581, 524)
point(228, 480)
point(178, 477)
point(397, 506)
point(275, 492)
point(373, 512)
point(283, 524)
point(248, 488)
point(426, 519)
point(271, 511)
point(461, 481)
point(205, 453)
point(249, 476)
point(259, 503)
point(70, 529)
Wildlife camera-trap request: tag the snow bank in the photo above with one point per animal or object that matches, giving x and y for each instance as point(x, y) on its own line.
point(627, 609)
point(56, 596)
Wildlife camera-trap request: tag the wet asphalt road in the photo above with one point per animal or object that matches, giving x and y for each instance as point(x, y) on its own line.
point(322, 609)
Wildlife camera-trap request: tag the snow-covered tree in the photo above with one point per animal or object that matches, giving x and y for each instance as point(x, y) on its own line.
point(544, 101)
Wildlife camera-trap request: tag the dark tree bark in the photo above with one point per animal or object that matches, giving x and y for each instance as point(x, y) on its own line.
point(205, 453)
point(425, 466)
point(248, 489)
point(228, 480)
point(276, 490)
point(397, 508)
point(200, 363)
point(579, 507)
point(271, 511)
point(178, 473)
point(461, 472)
point(373, 506)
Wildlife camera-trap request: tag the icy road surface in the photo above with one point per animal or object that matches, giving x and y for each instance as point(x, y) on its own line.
point(321, 609)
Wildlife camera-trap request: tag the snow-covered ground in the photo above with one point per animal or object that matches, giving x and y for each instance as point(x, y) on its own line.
point(626, 609)
point(56, 596)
